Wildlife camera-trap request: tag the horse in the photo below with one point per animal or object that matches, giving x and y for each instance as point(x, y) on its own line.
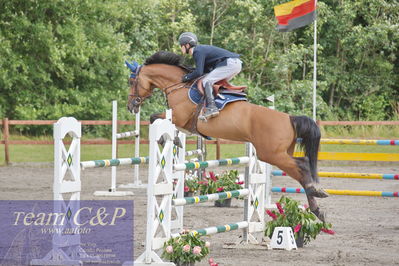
point(274, 134)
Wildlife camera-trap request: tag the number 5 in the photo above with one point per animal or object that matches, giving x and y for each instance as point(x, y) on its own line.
point(280, 237)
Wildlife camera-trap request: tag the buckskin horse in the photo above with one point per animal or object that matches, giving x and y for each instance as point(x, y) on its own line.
point(273, 133)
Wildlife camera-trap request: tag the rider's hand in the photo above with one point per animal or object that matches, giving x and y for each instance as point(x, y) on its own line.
point(185, 78)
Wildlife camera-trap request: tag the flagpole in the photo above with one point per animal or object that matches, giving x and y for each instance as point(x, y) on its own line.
point(314, 63)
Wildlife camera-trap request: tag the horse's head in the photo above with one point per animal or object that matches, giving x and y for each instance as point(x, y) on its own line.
point(140, 87)
point(163, 70)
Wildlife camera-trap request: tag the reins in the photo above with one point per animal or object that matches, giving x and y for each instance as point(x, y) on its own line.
point(138, 99)
point(173, 89)
point(180, 87)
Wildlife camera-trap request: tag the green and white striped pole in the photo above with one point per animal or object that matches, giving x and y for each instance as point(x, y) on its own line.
point(114, 162)
point(211, 197)
point(210, 164)
point(217, 229)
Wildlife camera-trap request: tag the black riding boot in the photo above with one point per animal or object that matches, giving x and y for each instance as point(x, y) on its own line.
point(210, 110)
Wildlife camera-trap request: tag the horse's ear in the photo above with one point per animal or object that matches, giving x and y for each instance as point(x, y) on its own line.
point(133, 66)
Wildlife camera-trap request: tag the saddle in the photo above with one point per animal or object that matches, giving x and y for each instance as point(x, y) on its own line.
point(222, 85)
point(225, 94)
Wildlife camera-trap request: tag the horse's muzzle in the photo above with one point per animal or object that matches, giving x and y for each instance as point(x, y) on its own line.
point(134, 105)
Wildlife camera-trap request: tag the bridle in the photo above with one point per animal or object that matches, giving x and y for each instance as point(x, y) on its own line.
point(138, 100)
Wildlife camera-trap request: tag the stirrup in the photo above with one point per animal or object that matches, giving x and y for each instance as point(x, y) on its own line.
point(211, 112)
point(202, 118)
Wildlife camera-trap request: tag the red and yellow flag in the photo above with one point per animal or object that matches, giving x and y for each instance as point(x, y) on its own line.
point(295, 14)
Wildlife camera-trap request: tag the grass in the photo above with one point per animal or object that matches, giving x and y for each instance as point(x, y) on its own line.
point(44, 153)
point(360, 132)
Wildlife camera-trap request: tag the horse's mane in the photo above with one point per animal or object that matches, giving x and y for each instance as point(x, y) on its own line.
point(169, 58)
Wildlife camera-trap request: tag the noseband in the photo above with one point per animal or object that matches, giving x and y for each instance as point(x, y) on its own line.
point(134, 82)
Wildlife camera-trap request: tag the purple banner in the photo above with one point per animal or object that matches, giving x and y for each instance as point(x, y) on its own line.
point(95, 232)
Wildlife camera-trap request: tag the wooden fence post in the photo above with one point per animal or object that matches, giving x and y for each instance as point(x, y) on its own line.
point(6, 135)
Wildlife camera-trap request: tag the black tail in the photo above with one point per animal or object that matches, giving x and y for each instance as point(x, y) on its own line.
point(309, 132)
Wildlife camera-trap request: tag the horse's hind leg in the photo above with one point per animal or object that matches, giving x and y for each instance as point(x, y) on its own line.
point(306, 179)
point(316, 209)
point(298, 168)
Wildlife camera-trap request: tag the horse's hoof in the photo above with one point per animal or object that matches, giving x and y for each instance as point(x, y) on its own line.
point(161, 141)
point(316, 192)
point(177, 142)
point(322, 215)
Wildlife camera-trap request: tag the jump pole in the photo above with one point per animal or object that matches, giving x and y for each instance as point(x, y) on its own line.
point(383, 142)
point(347, 175)
point(340, 192)
point(113, 162)
point(218, 229)
point(254, 193)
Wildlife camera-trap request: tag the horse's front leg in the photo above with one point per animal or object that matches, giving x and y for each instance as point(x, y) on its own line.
point(176, 140)
point(154, 117)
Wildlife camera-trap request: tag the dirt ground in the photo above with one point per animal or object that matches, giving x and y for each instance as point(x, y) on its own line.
point(367, 228)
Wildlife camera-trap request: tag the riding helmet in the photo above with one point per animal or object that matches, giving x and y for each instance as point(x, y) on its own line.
point(188, 37)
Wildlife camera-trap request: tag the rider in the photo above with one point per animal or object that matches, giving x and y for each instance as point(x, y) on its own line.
point(218, 63)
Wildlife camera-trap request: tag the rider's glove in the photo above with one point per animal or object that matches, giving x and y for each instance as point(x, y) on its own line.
point(186, 78)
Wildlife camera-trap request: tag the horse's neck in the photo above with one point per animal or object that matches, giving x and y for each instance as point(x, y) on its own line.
point(177, 96)
point(164, 76)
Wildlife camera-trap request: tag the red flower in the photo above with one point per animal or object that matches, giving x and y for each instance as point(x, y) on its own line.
point(240, 183)
point(271, 214)
point(305, 206)
point(220, 189)
point(328, 231)
point(212, 176)
point(280, 209)
point(297, 228)
point(186, 189)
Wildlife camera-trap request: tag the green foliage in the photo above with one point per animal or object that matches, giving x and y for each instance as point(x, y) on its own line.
point(66, 58)
point(184, 247)
point(228, 181)
point(191, 184)
point(302, 221)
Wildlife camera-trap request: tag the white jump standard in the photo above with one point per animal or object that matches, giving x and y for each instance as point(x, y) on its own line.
point(115, 136)
point(66, 249)
point(116, 162)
